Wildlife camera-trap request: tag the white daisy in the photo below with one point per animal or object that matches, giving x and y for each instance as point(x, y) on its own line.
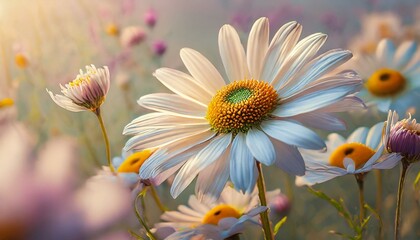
point(258, 114)
point(86, 92)
point(391, 77)
point(374, 27)
point(361, 152)
point(217, 220)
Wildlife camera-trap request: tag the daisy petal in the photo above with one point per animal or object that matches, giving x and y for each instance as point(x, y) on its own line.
point(288, 158)
point(281, 45)
point(233, 54)
point(385, 52)
point(388, 161)
point(314, 177)
point(202, 69)
point(196, 164)
point(293, 134)
point(208, 191)
point(359, 135)
point(404, 54)
point(66, 103)
point(243, 172)
point(349, 165)
point(374, 136)
point(321, 120)
point(172, 104)
point(183, 85)
point(257, 46)
point(260, 146)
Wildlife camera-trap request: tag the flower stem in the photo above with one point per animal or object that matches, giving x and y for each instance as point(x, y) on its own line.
point(142, 222)
point(405, 165)
point(105, 135)
point(157, 199)
point(268, 233)
point(359, 179)
point(378, 175)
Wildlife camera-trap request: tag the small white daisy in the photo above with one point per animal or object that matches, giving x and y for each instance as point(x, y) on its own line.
point(86, 92)
point(216, 220)
point(361, 152)
point(391, 77)
point(257, 115)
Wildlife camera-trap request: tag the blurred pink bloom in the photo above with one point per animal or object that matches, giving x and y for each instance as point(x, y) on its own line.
point(159, 47)
point(41, 197)
point(132, 36)
point(150, 17)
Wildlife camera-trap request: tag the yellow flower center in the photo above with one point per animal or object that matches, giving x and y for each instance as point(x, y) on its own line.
point(358, 152)
point(241, 105)
point(385, 82)
point(133, 162)
point(21, 61)
point(112, 29)
point(6, 102)
point(219, 212)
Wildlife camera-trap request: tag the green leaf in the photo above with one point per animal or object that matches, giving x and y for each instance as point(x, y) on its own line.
point(278, 225)
point(338, 205)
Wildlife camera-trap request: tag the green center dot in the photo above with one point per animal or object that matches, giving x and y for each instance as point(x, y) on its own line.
point(239, 95)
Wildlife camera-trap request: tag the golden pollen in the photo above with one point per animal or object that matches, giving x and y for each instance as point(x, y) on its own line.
point(133, 162)
point(219, 212)
point(21, 61)
point(241, 105)
point(385, 82)
point(358, 152)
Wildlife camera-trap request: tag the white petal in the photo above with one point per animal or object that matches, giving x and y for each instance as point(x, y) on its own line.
point(260, 146)
point(196, 164)
point(66, 103)
point(173, 154)
point(173, 105)
point(321, 120)
point(374, 136)
point(257, 46)
point(320, 94)
point(348, 103)
point(349, 165)
point(160, 137)
point(233, 54)
point(209, 190)
point(359, 135)
point(243, 172)
point(404, 54)
point(202, 69)
point(388, 161)
point(315, 69)
point(301, 54)
point(289, 159)
point(281, 45)
point(293, 134)
point(385, 52)
point(318, 176)
point(184, 85)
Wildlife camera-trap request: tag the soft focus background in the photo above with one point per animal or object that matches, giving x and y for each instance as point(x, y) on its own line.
point(44, 43)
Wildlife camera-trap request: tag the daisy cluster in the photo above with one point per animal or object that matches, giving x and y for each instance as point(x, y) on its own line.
point(273, 104)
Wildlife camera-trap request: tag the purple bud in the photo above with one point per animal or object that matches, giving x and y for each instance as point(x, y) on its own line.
point(280, 205)
point(159, 47)
point(404, 138)
point(150, 17)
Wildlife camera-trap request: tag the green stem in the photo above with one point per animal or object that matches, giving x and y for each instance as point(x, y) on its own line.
point(157, 199)
point(143, 223)
point(359, 179)
point(378, 175)
point(268, 233)
point(105, 135)
point(405, 165)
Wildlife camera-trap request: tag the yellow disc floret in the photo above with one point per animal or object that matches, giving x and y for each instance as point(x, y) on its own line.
point(241, 105)
point(133, 162)
point(385, 82)
point(219, 212)
point(358, 152)
point(6, 102)
point(21, 60)
point(112, 29)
